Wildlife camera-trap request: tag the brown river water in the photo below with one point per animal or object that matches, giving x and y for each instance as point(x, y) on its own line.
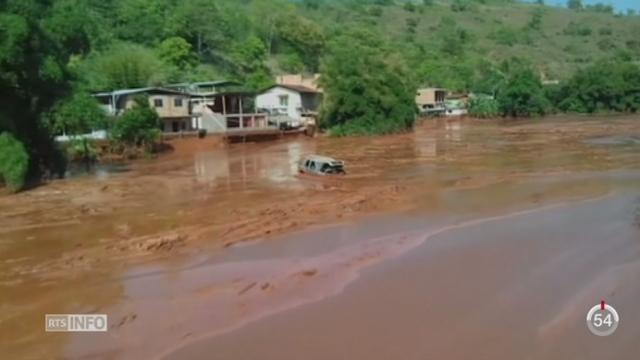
point(463, 239)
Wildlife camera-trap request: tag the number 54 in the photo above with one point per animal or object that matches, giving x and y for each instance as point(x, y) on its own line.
point(598, 321)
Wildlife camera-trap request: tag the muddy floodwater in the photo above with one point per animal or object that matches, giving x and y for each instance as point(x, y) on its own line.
point(463, 239)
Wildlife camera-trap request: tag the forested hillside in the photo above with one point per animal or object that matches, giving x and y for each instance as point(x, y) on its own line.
point(53, 53)
point(125, 43)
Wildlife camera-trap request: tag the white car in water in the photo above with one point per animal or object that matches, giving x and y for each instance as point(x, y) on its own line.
point(320, 165)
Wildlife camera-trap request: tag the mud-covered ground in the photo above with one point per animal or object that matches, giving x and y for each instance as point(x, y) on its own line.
point(68, 246)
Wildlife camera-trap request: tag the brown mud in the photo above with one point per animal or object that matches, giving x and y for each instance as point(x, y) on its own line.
point(163, 236)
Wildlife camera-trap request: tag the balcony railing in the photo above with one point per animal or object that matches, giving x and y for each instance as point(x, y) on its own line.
point(248, 121)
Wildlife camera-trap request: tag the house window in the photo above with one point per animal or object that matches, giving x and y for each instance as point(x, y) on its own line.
point(177, 102)
point(157, 103)
point(284, 100)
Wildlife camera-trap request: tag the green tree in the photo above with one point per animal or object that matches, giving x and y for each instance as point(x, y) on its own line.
point(484, 107)
point(441, 72)
point(303, 35)
point(609, 85)
point(267, 18)
point(367, 88)
point(460, 5)
point(249, 58)
point(176, 51)
point(123, 66)
point(138, 126)
point(412, 25)
point(576, 29)
point(574, 4)
point(522, 94)
point(600, 7)
point(292, 63)
point(78, 114)
point(536, 19)
point(78, 25)
point(142, 21)
point(207, 25)
point(454, 39)
point(410, 7)
point(32, 78)
point(14, 162)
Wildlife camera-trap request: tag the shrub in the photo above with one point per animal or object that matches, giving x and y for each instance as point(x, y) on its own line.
point(575, 29)
point(522, 94)
point(606, 44)
point(81, 149)
point(536, 19)
point(138, 125)
point(412, 24)
point(460, 5)
point(600, 7)
point(505, 36)
point(410, 7)
point(484, 107)
point(14, 162)
point(575, 4)
point(375, 11)
point(605, 31)
point(78, 114)
point(604, 86)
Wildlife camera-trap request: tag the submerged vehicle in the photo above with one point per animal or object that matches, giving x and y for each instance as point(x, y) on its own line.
point(321, 165)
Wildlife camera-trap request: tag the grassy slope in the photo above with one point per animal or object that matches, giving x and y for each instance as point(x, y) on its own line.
point(554, 53)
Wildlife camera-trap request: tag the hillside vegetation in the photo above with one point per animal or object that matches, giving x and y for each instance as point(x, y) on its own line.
point(53, 53)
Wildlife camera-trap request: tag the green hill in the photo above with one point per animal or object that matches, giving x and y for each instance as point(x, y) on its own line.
point(556, 40)
point(445, 43)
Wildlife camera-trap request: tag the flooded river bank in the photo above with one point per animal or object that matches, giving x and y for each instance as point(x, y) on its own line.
point(201, 253)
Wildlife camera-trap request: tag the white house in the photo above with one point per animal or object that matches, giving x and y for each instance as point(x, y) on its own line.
point(297, 102)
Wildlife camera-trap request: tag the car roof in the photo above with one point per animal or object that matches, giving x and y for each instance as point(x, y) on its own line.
point(318, 158)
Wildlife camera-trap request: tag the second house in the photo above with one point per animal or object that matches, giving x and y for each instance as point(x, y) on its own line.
point(291, 106)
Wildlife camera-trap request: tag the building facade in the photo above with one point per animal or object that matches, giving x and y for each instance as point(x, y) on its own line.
point(172, 106)
point(431, 100)
point(296, 102)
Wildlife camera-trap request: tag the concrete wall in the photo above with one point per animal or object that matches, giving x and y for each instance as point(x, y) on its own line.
point(270, 100)
point(172, 105)
point(213, 123)
point(310, 81)
point(430, 97)
point(176, 124)
point(169, 108)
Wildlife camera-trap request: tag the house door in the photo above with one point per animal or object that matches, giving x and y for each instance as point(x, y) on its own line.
point(175, 126)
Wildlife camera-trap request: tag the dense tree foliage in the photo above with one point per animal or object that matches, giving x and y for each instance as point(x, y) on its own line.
point(522, 93)
point(138, 126)
point(14, 162)
point(367, 89)
point(574, 4)
point(33, 77)
point(78, 114)
point(484, 107)
point(605, 86)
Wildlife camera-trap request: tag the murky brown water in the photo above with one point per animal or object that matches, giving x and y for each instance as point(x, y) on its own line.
point(157, 247)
